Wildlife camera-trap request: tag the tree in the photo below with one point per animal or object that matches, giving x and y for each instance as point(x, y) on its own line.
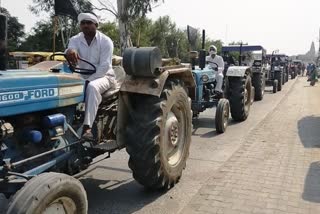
point(48, 6)
point(41, 38)
point(67, 26)
point(126, 12)
point(111, 29)
point(140, 32)
point(15, 30)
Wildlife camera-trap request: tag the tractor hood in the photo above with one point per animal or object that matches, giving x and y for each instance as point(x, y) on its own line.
point(24, 91)
point(204, 76)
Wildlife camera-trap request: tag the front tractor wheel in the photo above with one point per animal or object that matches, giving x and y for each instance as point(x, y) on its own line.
point(278, 76)
point(222, 115)
point(50, 193)
point(275, 86)
point(158, 136)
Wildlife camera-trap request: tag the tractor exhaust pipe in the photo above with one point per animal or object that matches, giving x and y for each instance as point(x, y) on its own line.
point(202, 54)
point(3, 41)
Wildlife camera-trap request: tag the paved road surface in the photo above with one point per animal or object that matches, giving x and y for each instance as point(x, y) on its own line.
point(255, 158)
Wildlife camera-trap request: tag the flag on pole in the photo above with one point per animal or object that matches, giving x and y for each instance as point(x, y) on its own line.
point(192, 37)
point(65, 8)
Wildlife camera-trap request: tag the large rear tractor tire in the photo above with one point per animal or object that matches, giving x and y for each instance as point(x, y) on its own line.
point(50, 193)
point(240, 97)
point(278, 76)
point(258, 82)
point(158, 135)
point(222, 115)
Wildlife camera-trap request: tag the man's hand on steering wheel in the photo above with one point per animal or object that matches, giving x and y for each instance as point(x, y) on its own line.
point(72, 56)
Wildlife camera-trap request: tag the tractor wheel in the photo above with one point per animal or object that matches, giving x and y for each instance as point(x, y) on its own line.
point(252, 94)
point(240, 97)
point(292, 75)
point(158, 136)
point(275, 86)
point(258, 81)
point(278, 76)
point(222, 115)
point(312, 82)
point(50, 193)
point(3, 203)
point(287, 77)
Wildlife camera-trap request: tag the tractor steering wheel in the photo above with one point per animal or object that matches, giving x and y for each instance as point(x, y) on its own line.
point(214, 68)
point(75, 69)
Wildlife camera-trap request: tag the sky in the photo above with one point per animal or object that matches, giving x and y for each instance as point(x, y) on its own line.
point(287, 25)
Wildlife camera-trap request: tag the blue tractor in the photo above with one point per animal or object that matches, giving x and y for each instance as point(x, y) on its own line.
point(238, 90)
point(41, 115)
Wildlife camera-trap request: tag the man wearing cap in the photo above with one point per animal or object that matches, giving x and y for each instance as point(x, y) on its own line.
point(213, 60)
point(97, 48)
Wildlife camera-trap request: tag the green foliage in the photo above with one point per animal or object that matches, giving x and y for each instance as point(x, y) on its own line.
point(15, 30)
point(236, 55)
point(41, 38)
point(48, 6)
point(138, 8)
point(140, 32)
point(111, 30)
point(162, 32)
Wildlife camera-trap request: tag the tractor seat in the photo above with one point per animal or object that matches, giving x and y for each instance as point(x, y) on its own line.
point(119, 78)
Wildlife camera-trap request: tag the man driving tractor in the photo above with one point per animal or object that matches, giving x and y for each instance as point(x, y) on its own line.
point(216, 62)
point(97, 48)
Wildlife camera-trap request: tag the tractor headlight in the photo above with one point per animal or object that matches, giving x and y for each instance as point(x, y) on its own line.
point(204, 78)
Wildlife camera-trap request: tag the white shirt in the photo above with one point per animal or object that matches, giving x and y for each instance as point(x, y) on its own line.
point(218, 60)
point(99, 53)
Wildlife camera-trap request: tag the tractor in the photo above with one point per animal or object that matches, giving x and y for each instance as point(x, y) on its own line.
point(279, 70)
point(299, 66)
point(238, 92)
point(252, 58)
point(41, 115)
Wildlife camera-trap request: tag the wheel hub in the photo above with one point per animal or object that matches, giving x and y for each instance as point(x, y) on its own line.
point(61, 205)
point(172, 128)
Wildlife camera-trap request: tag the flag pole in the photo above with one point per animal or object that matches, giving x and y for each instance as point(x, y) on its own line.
point(54, 33)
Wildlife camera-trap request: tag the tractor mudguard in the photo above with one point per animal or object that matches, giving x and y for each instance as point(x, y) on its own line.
point(238, 71)
point(154, 86)
point(148, 86)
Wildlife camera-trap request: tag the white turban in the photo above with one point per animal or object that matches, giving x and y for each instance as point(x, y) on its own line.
point(213, 51)
point(87, 17)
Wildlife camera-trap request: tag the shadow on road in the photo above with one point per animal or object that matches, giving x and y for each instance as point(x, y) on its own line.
point(123, 196)
point(312, 184)
point(309, 131)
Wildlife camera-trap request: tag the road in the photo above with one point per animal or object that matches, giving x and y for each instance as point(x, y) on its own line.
point(111, 188)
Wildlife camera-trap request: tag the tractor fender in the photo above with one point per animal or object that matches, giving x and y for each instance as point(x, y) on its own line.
point(238, 71)
point(154, 86)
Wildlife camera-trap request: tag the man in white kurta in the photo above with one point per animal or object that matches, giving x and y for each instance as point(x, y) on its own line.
point(216, 61)
point(96, 48)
